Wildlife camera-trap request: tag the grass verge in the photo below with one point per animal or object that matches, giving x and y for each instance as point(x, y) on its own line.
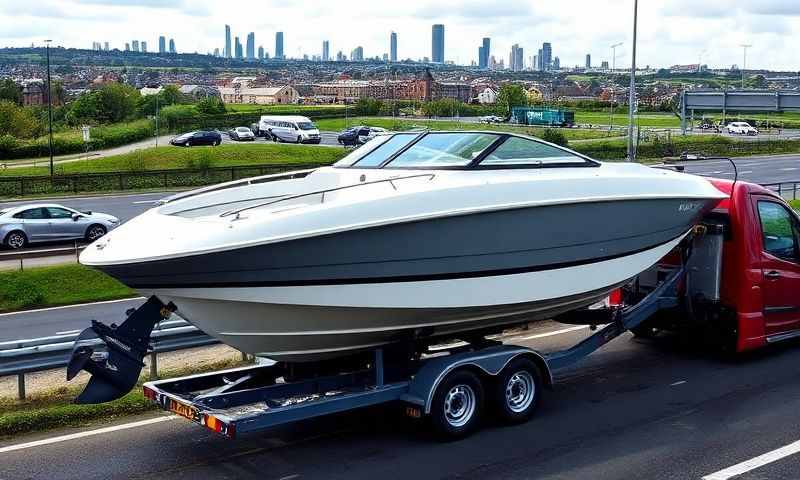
point(166, 158)
point(53, 409)
point(57, 285)
point(795, 204)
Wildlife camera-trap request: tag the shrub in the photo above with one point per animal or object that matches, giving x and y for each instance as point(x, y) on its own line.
point(553, 135)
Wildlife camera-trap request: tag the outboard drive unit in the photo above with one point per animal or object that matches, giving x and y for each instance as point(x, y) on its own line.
point(113, 355)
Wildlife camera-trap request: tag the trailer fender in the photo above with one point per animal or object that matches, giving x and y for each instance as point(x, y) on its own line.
point(488, 362)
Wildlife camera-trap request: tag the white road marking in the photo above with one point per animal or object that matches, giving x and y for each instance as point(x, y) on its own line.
point(145, 201)
point(745, 172)
point(67, 332)
point(789, 169)
point(756, 462)
point(70, 306)
point(89, 433)
point(681, 382)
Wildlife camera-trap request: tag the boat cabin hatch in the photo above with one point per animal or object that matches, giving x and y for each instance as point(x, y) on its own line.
point(461, 150)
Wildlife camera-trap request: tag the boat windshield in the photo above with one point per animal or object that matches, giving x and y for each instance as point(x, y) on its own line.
point(482, 150)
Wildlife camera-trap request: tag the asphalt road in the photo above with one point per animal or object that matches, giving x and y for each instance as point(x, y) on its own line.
point(775, 169)
point(635, 409)
point(61, 320)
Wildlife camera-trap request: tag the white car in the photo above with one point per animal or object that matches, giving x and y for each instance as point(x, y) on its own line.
point(741, 128)
point(491, 119)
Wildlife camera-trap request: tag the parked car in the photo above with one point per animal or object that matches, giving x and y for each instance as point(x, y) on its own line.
point(49, 222)
point(741, 128)
point(202, 137)
point(359, 135)
point(289, 128)
point(491, 119)
point(241, 134)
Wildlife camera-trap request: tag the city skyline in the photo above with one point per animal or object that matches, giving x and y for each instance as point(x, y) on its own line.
point(588, 26)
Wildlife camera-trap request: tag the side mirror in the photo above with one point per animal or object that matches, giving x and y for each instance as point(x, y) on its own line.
point(76, 217)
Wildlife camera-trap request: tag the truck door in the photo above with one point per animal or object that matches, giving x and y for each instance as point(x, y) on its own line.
point(780, 266)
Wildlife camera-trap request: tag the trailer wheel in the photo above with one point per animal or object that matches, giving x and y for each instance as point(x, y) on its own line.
point(517, 390)
point(457, 405)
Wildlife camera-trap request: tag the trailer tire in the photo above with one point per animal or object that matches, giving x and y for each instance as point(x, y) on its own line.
point(457, 405)
point(517, 391)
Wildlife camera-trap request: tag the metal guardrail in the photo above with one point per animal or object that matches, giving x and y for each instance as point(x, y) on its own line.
point(787, 190)
point(23, 255)
point(19, 357)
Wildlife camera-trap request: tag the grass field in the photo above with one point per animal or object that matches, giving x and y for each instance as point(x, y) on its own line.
point(398, 125)
point(59, 285)
point(246, 108)
point(163, 158)
point(653, 120)
point(795, 204)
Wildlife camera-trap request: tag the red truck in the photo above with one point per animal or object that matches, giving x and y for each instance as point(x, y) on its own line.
point(747, 284)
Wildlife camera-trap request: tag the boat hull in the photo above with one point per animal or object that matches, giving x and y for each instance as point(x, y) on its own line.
point(312, 322)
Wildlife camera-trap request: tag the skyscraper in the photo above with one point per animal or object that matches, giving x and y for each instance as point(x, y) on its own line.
point(357, 55)
point(437, 43)
point(251, 46)
point(516, 60)
point(279, 46)
point(172, 46)
point(144, 46)
point(127, 47)
point(105, 46)
point(162, 45)
point(483, 59)
point(556, 63)
point(547, 56)
point(539, 61)
point(326, 51)
point(135, 45)
point(588, 61)
point(237, 48)
point(393, 47)
point(228, 52)
point(261, 52)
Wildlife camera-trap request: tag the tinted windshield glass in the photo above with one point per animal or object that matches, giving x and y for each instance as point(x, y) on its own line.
point(522, 151)
point(376, 151)
point(444, 150)
point(306, 126)
point(243, 129)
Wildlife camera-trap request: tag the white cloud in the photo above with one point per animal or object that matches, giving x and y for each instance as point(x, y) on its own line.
point(670, 31)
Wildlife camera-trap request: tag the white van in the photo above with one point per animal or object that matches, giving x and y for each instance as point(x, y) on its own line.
point(289, 128)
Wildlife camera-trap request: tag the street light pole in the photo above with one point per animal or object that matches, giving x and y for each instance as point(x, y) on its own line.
point(632, 93)
point(613, 67)
point(49, 106)
point(744, 46)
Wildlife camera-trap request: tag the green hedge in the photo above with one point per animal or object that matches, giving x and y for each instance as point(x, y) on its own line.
point(707, 145)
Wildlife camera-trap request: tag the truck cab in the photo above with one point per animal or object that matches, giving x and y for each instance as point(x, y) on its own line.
point(750, 296)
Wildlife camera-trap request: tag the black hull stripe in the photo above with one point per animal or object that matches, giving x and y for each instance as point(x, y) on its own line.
point(394, 279)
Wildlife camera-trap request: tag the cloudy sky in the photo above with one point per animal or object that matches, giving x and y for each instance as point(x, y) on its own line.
point(670, 31)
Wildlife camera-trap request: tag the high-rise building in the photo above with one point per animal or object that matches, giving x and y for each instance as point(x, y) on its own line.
point(228, 52)
point(516, 60)
point(135, 45)
point(556, 63)
point(547, 56)
point(279, 46)
point(535, 62)
point(588, 61)
point(437, 43)
point(484, 53)
point(261, 52)
point(127, 47)
point(251, 46)
point(393, 47)
point(144, 46)
point(162, 45)
point(172, 46)
point(326, 51)
point(216, 52)
point(357, 55)
point(105, 46)
point(539, 61)
point(237, 48)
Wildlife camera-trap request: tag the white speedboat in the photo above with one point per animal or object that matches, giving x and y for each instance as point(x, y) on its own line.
point(413, 235)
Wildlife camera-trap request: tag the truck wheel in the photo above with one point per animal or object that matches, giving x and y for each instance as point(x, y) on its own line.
point(517, 391)
point(457, 405)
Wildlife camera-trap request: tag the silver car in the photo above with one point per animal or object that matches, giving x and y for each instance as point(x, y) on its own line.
point(49, 222)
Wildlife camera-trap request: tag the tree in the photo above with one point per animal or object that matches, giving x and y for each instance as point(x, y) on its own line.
point(210, 106)
point(85, 109)
point(9, 90)
point(510, 96)
point(117, 102)
point(368, 106)
point(19, 122)
point(171, 94)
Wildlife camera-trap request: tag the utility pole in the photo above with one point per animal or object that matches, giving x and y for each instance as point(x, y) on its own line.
point(744, 46)
point(613, 67)
point(157, 94)
point(632, 93)
point(49, 106)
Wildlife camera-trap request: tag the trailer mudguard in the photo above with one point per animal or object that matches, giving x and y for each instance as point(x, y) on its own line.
point(490, 361)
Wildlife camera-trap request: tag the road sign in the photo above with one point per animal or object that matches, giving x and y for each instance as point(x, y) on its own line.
point(85, 131)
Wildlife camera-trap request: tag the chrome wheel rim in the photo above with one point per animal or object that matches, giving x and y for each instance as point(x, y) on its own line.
point(459, 405)
point(520, 391)
point(95, 233)
point(16, 240)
